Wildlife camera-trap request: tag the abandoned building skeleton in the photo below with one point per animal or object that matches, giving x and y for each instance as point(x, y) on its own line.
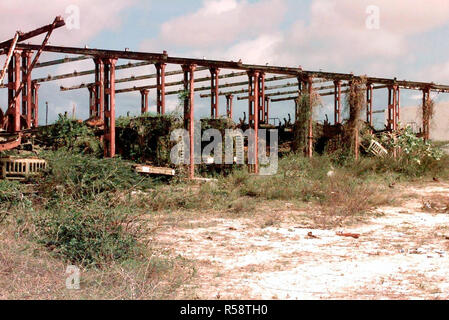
point(23, 91)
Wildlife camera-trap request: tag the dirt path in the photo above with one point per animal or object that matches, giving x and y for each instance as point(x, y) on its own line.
point(404, 254)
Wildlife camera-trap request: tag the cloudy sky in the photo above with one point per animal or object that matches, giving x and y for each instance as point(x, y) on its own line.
point(410, 41)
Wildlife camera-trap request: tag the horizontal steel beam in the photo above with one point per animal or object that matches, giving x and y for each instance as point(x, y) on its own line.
point(287, 85)
point(152, 76)
point(323, 94)
point(297, 72)
point(61, 61)
point(282, 93)
point(28, 35)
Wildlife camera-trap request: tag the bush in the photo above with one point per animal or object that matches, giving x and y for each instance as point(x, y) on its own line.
point(71, 134)
point(90, 235)
point(85, 177)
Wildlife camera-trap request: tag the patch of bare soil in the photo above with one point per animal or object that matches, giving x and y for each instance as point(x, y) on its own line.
point(403, 253)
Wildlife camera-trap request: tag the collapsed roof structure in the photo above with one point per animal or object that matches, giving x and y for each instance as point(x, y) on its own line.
point(22, 111)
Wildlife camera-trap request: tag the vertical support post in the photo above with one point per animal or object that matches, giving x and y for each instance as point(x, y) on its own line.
point(253, 118)
point(392, 105)
point(337, 102)
point(300, 87)
point(310, 121)
point(189, 120)
point(214, 83)
point(99, 88)
point(229, 100)
point(109, 107)
point(426, 114)
point(13, 88)
point(261, 85)
point(35, 104)
point(369, 104)
point(267, 106)
point(398, 107)
point(92, 101)
point(26, 91)
point(144, 102)
point(160, 85)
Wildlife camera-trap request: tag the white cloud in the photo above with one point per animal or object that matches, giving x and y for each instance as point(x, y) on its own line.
point(95, 16)
point(220, 23)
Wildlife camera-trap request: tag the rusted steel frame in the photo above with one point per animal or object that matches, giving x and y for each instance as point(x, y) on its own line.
point(253, 119)
point(109, 107)
point(426, 114)
point(281, 93)
point(337, 102)
point(160, 87)
point(26, 92)
point(267, 88)
point(308, 84)
point(398, 106)
point(92, 100)
point(104, 54)
point(267, 106)
point(57, 23)
point(13, 95)
point(144, 102)
point(99, 88)
point(214, 86)
point(35, 104)
point(132, 78)
point(392, 124)
point(323, 94)
point(189, 84)
point(369, 103)
point(27, 77)
point(8, 145)
point(237, 66)
point(229, 101)
point(8, 57)
point(61, 61)
point(261, 104)
point(87, 72)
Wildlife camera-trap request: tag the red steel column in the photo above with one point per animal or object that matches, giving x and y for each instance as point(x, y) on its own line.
point(92, 101)
point(229, 100)
point(144, 105)
point(109, 107)
point(160, 84)
point(189, 86)
point(214, 83)
point(15, 125)
point(267, 105)
point(398, 106)
point(392, 104)
point(26, 91)
point(99, 88)
point(253, 116)
point(337, 102)
point(35, 104)
point(369, 103)
point(310, 121)
point(426, 114)
point(261, 85)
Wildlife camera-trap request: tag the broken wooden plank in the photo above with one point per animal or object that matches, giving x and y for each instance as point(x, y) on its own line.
point(155, 170)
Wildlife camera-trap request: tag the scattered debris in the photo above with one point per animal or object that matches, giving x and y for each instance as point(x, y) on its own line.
point(349, 235)
point(310, 235)
point(19, 169)
point(155, 170)
point(377, 149)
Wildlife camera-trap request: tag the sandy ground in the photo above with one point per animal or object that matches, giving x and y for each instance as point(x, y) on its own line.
point(401, 254)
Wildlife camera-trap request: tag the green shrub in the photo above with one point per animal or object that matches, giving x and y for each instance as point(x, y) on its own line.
point(89, 235)
point(84, 176)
